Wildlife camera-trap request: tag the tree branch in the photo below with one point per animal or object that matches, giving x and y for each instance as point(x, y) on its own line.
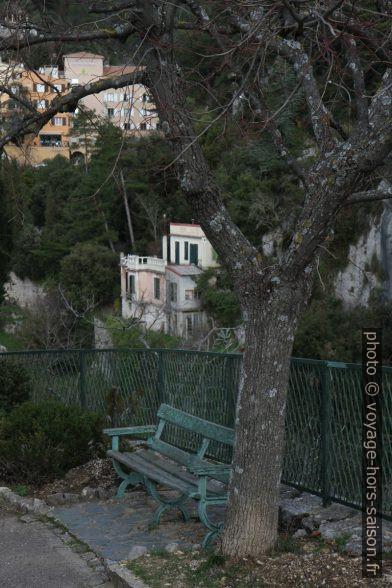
point(382, 192)
point(277, 137)
point(34, 121)
point(320, 117)
point(354, 63)
point(17, 98)
point(17, 41)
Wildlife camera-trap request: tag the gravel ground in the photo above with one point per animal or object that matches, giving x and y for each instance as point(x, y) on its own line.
point(312, 569)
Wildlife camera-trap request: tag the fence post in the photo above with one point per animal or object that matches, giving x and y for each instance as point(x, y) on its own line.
point(82, 380)
point(326, 404)
point(161, 380)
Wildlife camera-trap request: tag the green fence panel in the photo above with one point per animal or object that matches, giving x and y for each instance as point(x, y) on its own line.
point(323, 412)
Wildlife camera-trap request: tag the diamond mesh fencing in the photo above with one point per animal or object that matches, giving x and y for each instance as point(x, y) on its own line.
point(323, 414)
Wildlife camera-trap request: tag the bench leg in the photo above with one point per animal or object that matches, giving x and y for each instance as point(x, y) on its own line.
point(127, 479)
point(214, 528)
point(165, 503)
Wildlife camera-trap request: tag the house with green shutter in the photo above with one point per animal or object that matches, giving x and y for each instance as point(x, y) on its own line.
point(161, 292)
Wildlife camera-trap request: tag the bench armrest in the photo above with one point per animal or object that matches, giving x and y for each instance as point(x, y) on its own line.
point(130, 431)
point(206, 469)
point(119, 432)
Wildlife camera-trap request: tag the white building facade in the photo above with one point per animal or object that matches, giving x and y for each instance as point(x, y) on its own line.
point(161, 292)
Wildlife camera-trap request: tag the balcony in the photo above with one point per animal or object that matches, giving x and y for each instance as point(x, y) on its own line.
point(143, 263)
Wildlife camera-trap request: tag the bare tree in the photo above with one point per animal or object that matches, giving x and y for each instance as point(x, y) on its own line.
point(327, 45)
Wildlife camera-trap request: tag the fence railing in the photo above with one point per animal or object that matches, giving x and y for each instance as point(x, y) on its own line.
point(323, 415)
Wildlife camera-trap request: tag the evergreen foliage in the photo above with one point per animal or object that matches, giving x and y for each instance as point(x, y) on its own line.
point(42, 441)
point(89, 275)
point(130, 334)
point(14, 385)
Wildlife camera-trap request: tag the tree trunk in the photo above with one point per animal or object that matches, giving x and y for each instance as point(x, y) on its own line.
point(127, 211)
point(252, 514)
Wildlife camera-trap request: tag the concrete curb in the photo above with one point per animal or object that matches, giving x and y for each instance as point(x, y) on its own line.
point(121, 577)
point(39, 512)
point(27, 505)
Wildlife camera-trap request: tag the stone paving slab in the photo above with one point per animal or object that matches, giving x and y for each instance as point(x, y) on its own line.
point(113, 527)
point(32, 556)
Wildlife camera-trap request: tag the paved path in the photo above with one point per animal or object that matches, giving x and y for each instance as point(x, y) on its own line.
point(33, 556)
point(113, 527)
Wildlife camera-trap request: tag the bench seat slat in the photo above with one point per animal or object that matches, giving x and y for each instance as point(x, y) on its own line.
point(213, 487)
point(159, 472)
point(153, 472)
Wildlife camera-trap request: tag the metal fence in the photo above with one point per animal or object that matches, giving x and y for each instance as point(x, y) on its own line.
point(323, 416)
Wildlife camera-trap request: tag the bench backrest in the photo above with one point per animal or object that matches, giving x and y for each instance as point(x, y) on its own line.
point(207, 430)
point(195, 424)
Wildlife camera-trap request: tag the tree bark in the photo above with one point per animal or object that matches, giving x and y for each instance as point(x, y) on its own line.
point(271, 316)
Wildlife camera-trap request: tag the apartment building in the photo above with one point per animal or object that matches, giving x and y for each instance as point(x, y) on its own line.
point(39, 88)
point(161, 292)
point(130, 109)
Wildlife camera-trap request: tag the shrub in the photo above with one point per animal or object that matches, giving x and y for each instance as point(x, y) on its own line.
point(42, 441)
point(14, 385)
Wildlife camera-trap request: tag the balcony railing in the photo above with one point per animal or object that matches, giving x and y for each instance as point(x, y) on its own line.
point(137, 262)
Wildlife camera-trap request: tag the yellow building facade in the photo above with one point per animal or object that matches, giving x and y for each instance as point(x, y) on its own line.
point(130, 108)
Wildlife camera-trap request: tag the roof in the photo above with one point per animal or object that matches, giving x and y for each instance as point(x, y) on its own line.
point(84, 54)
point(185, 225)
point(185, 270)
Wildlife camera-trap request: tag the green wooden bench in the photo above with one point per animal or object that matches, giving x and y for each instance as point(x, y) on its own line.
point(174, 467)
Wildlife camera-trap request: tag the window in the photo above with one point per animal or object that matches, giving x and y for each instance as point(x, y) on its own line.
point(50, 140)
point(127, 126)
point(110, 111)
point(40, 103)
point(177, 252)
point(110, 97)
point(157, 288)
point(144, 97)
point(58, 121)
point(58, 87)
point(186, 250)
point(189, 326)
point(125, 97)
point(173, 291)
point(194, 253)
point(39, 87)
point(143, 126)
point(144, 112)
point(189, 294)
point(193, 323)
point(131, 284)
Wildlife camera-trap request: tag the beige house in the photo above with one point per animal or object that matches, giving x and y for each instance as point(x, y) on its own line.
point(161, 292)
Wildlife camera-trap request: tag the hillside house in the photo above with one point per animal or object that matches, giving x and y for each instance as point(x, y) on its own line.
point(129, 108)
point(161, 292)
